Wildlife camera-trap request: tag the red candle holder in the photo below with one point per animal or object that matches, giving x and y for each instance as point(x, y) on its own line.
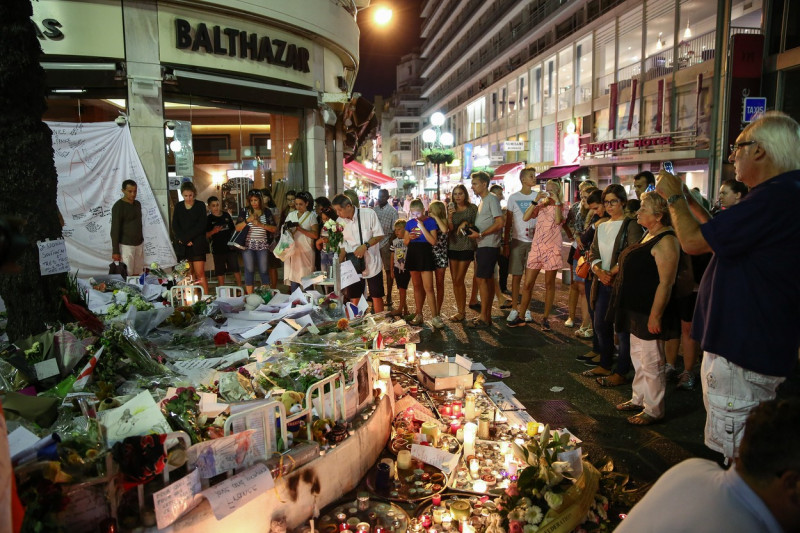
point(447, 409)
point(455, 425)
point(456, 406)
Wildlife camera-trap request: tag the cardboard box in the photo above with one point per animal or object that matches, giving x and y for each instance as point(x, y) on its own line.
point(442, 376)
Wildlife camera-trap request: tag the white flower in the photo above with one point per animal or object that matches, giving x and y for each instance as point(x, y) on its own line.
point(534, 515)
point(121, 297)
point(530, 528)
point(553, 500)
point(524, 502)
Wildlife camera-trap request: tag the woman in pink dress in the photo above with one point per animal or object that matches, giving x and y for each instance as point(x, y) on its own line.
point(545, 254)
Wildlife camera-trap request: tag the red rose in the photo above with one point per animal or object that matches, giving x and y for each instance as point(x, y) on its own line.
point(222, 338)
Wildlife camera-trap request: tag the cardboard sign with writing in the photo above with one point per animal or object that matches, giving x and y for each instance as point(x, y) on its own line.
point(173, 501)
point(53, 257)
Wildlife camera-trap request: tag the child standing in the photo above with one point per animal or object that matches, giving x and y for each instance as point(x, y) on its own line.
point(219, 230)
point(402, 276)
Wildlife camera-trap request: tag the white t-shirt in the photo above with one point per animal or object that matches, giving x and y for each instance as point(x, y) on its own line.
point(370, 227)
point(607, 233)
point(517, 204)
point(698, 496)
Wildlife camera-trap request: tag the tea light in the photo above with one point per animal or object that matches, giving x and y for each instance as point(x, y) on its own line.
point(474, 465)
point(411, 352)
point(404, 459)
point(385, 372)
point(479, 485)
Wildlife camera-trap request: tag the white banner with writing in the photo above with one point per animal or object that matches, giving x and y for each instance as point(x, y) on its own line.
point(92, 160)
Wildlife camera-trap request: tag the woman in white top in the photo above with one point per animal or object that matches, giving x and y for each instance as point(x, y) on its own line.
point(302, 222)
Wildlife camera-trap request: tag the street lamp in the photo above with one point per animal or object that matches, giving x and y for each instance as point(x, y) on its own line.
point(437, 149)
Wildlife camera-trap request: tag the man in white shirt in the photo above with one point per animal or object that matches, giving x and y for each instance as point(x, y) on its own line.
point(761, 493)
point(361, 244)
point(522, 235)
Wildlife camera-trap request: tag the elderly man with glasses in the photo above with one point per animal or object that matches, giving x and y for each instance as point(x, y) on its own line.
point(747, 305)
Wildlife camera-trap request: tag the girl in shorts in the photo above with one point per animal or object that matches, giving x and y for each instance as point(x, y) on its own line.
point(401, 275)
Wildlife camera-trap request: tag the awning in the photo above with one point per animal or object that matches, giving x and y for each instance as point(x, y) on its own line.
point(557, 172)
point(506, 168)
point(372, 176)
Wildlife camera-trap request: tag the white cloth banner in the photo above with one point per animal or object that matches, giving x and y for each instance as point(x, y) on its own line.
point(92, 160)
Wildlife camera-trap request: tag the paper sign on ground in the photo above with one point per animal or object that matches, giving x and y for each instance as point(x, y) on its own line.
point(312, 280)
point(238, 490)
point(176, 499)
point(348, 274)
point(435, 457)
point(362, 305)
point(209, 406)
point(138, 416)
point(281, 331)
point(53, 257)
point(280, 298)
point(189, 365)
point(258, 330)
point(573, 457)
point(46, 369)
point(298, 295)
point(216, 456)
point(233, 358)
point(20, 439)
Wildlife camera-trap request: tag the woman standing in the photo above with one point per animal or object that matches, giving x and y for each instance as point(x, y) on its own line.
point(731, 192)
point(269, 204)
point(261, 225)
point(302, 222)
point(461, 251)
point(612, 235)
point(189, 226)
point(420, 236)
point(545, 251)
point(438, 211)
point(642, 292)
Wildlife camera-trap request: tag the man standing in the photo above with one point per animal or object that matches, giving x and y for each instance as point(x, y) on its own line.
point(387, 216)
point(745, 318)
point(642, 181)
point(127, 240)
point(489, 222)
point(362, 232)
point(518, 203)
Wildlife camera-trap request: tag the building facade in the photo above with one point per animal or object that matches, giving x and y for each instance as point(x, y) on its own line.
point(598, 89)
point(229, 94)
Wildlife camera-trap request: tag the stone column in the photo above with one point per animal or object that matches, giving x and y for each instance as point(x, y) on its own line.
point(145, 101)
point(315, 155)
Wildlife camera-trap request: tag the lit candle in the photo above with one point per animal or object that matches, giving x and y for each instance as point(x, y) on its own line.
point(466, 527)
point(447, 409)
point(403, 459)
point(479, 485)
point(385, 372)
point(380, 384)
point(436, 499)
point(447, 521)
point(504, 446)
point(512, 468)
point(456, 408)
point(411, 352)
point(469, 407)
point(474, 466)
point(470, 430)
point(483, 428)
point(454, 426)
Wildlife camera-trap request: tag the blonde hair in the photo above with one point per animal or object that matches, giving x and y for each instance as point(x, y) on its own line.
point(416, 203)
point(560, 193)
point(438, 210)
point(400, 223)
point(656, 203)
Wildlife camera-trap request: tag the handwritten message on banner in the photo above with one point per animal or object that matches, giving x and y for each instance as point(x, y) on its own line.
point(53, 257)
point(176, 499)
point(238, 490)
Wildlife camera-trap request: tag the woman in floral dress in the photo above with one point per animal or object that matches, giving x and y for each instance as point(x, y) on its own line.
point(438, 211)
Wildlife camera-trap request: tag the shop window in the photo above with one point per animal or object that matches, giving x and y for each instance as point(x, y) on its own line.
point(583, 70)
point(549, 142)
point(604, 53)
point(83, 110)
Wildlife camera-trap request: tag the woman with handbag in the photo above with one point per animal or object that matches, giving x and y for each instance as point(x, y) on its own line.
point(420, 237)
point(260, 224)
point(302, 223)
point(612, 236)
point(189, 227)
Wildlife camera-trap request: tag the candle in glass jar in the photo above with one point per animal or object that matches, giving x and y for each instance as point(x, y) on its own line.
point(479, 485)
point(457, 408)
point(470, 430)
point(483, 428)
point(474, 466)
point(404, 459)
point(384, 372)
point(431, 431)
point(411, 352)
point(469, 407)
point(454, 426)
point(447, 409)
point(447, 520)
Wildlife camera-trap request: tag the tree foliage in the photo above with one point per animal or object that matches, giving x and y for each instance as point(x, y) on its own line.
point(28, 178)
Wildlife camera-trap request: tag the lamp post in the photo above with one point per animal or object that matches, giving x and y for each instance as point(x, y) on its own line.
point(437, 147)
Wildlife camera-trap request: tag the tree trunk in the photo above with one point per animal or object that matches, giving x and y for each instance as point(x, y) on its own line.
point(28, 178)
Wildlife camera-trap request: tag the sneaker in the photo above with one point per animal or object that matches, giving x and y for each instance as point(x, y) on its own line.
point(546, 325)
point(528, 316)
point(515, 323)
point(587, 356)
point(671, 373)
point(686, 380)
point(437, 323)
point(512, 316)
point(569, 323)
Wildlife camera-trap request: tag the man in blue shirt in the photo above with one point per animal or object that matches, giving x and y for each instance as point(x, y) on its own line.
point(747, 305)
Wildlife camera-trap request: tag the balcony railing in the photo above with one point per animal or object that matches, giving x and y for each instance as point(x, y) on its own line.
point(695, 51)
point(603, 84)
point(658, 64)
point(565, 98)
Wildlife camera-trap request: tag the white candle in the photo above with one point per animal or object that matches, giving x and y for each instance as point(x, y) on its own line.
point(474, 468)
point(385, 372)
point(469, 407)
point(411, 352)
point(403, 460)
point(381, 384)
point(479, 485)
point(470, 430)
point(466, 527)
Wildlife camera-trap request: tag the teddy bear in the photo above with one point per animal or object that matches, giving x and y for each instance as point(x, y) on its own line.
point(293, 403)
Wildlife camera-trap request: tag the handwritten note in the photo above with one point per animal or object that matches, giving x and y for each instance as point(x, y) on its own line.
point(188, 366)
point(216, 456)
point(348, 274)
point(435, 457)
point(239, 490)
point(53, 257)
point(173, 501)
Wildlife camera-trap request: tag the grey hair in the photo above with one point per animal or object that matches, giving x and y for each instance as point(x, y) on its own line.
point(779, 135)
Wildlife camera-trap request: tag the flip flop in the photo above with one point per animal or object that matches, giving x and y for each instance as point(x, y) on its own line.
point(478, 324)
point(642, 419)
point(597, 371)
point(458, 317)
point(629, 406)
point(614, 380)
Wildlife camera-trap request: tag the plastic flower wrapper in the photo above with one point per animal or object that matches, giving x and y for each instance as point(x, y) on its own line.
point(235, 387)
point(182, 412)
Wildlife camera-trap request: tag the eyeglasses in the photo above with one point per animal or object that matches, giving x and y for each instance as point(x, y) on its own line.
point(254, 193)
point(735, 146)
point(611, 202)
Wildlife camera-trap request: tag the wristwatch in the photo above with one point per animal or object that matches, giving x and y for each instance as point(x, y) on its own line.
point(674, 198)
point(367, 245)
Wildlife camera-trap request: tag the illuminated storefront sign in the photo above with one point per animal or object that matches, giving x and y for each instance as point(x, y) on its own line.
point(619, 145)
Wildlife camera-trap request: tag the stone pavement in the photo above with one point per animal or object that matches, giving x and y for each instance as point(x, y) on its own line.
point(541, 360)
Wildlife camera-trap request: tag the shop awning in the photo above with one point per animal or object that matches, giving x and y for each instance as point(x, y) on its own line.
point(506, 168)
point(372, 176)
point(557, 172)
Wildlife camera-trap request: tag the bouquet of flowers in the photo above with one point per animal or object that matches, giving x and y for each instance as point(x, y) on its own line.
point(124, 299)
point(335, 235)
point(179, 271)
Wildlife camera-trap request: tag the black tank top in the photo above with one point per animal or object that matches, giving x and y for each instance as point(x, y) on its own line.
point(638, 279)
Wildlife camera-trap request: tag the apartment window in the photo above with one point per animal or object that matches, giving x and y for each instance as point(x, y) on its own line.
point(536, 94)
point(629, 46)
point(523, 92)
point(604, 52)
point(583, 70)
point(549, 142)
point(565, 79)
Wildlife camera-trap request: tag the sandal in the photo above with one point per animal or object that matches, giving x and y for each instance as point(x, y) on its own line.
point(629, 406)
point(478, 324)
point(417, 320)
point(642, 419)
point(614, 380)
point(458, 317)
point(597, 371)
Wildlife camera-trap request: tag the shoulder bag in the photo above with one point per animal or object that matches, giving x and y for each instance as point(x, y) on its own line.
point(239, 238)
point(359, 263)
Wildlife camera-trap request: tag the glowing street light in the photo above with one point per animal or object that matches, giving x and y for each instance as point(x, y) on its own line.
point(438, 149)
point(382, 15)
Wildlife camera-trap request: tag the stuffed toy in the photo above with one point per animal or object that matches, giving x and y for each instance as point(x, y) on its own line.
point(293, 403)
